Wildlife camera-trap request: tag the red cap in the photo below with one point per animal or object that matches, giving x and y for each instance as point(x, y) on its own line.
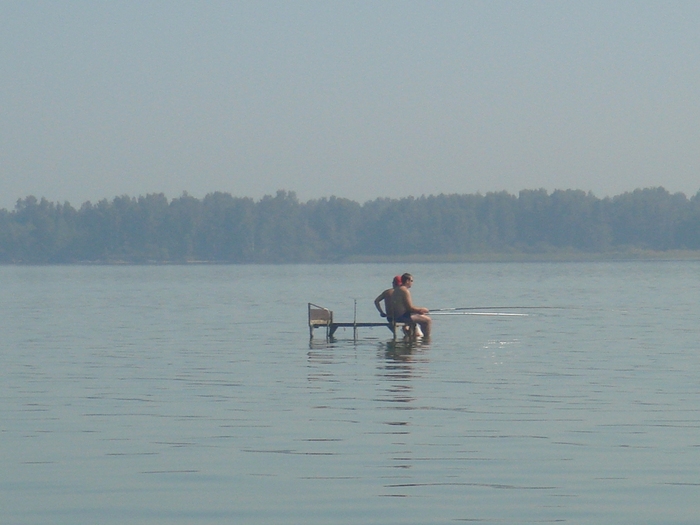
point(396, 281)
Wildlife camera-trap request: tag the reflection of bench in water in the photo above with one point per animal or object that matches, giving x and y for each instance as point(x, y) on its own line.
point(323, 317)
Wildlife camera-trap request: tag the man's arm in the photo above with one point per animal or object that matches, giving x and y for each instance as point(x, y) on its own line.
point(411, 308)
point(378, 301)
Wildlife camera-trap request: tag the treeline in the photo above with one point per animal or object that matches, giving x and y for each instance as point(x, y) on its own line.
point(280, 228)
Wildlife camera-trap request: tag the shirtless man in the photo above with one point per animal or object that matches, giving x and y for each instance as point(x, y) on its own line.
point(403, 308)
point(385, 296)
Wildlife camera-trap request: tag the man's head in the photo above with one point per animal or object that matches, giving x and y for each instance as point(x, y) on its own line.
point(406, 279)
point(396, 282)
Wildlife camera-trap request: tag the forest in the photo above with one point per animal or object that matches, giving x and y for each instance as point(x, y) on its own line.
point(221, 228)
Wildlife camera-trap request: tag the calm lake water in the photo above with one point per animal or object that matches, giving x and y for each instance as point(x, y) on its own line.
point(191, 394)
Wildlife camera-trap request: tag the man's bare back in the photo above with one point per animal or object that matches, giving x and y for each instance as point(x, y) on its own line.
point(385, 297)
point(403, 308)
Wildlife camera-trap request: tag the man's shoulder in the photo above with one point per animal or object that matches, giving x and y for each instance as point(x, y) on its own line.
point(402, 291)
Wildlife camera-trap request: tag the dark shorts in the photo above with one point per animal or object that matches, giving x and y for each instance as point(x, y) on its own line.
point(405, 318)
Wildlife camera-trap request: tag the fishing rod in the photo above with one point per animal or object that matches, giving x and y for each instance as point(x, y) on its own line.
point(488, 314)
point(436, 310)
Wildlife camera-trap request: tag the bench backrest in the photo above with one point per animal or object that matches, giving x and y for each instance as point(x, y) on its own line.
point(319, 316)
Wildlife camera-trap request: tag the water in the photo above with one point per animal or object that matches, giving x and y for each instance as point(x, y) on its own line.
point(177, 395)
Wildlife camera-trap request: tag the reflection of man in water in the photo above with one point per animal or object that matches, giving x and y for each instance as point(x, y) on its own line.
point(385, 297)
point(403, 309)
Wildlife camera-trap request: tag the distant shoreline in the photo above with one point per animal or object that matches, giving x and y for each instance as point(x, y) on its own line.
point(555, 256)
point(549, 257)
point(534, 226)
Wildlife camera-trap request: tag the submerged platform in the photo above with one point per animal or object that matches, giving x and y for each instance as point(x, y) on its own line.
point(321, 317)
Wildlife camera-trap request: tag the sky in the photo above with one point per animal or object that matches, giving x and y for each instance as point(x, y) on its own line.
point(355, 99)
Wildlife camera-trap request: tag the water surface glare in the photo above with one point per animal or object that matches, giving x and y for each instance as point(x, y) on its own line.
point(191, 394)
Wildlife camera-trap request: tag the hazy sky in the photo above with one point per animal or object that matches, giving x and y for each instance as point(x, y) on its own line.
point(354, 99)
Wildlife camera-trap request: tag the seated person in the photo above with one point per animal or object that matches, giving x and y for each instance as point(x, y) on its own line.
point(403, 308)
point(385, 297)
